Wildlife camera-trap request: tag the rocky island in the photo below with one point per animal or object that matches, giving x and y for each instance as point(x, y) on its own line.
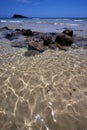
point(18, 16)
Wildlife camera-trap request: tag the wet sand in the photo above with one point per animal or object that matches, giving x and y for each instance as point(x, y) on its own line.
point(43, 92)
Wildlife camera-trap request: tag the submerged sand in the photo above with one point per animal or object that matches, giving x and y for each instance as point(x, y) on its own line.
point(43, 92)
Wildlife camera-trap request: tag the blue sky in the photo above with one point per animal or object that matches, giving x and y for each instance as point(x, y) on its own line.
point(44, 8)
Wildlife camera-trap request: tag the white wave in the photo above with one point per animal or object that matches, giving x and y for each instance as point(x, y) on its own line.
point(39, 22)
point(3, 21)
point(61, 23)
point(55, 23)
point(78, 20)
point(72, 24)
point(61, 19)
point(12, 21)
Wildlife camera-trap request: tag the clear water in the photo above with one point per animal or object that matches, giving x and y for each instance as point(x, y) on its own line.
point(47, 91)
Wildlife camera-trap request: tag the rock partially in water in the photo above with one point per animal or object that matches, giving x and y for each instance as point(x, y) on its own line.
point(17, 39)
point(39, 42)
point(13, 35)
point(31, 53)
point(21, 42)
point(64, 40)
point(47, 41)
point(17, 29)
point(65, 48)
point(35, 45)
point(68, 32)
point(5, 28)
point(27, 32)
point(9, 36)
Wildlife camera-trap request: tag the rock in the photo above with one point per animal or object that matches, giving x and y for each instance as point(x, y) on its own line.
point(27, 32)
point(31, 53)
point(20, 43)
point(53, 33)
point(35, 45)
point(5, 28)
point(65, 48)
point(17, 29)
point(64, 40)
point(18, 16)
point(13, 35)
point(47, 41)
point(68, 32)
point(9, 36)
point(85, 47)
point(17, 39)
point(52, 46)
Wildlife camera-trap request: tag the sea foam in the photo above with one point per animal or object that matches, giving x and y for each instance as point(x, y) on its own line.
point(3, 21)
point(12, 21)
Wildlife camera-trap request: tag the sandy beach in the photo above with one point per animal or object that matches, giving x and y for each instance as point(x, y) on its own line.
point(43, 92)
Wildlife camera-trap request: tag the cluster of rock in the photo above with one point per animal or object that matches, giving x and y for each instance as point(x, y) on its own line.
point(39, 42)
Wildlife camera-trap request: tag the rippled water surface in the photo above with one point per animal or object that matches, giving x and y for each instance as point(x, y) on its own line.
point(46, 24)
point(47, 92)
point(43, 92)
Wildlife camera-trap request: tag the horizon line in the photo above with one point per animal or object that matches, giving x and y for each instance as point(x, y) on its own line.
point(47, 17)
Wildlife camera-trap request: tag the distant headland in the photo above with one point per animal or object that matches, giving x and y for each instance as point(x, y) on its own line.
point(18, 16)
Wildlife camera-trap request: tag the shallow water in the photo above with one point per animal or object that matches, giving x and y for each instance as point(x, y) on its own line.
point(43, 92)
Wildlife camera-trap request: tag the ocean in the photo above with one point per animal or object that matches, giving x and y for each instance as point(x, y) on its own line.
point(47, 91)
point(47, 24)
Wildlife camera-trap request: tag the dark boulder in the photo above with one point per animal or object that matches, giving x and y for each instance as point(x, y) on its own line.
point(17, 29)
point(13, 35)
point(5, 28)
point(47, 41)
point(64, 40)
point(9, 36)
point(52, 33)
point(27, 32)
point(68, 32)
point(18, 16)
